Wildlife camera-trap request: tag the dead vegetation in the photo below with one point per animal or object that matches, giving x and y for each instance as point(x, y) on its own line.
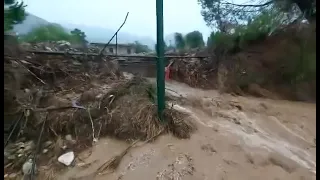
point(132, 112)
point(69, 96)
point(194, 72)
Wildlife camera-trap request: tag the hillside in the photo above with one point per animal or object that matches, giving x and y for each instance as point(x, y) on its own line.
point(99, 34)
point(94, 34)
point(29, 23)
point(280, 66)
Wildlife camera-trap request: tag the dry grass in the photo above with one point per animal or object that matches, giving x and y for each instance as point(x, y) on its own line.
point(132, 113)
point(127, 112)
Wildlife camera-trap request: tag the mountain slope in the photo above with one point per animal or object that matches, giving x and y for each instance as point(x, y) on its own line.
point(94, 34)
point(29, 23)
point(103, 35)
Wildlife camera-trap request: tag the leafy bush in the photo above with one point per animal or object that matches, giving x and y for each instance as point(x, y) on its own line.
point(194, 39)
point(140, 48)
point(220, 39)
point(53, 32)
point(191, 40)
point(300, 62)
point(244, 35)
point(179, 41)
point(78, 36)
point(14, 13)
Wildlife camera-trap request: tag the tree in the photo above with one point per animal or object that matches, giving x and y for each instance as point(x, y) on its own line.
point(179, 41)
point(140, 48)
point(194, 39)
point(210, 40)
point(79, 36)
point(14, 13)
point(51, 32)
point(217, 13)
point(165, 46)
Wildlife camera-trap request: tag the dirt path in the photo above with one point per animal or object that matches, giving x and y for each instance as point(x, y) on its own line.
point(237, 138)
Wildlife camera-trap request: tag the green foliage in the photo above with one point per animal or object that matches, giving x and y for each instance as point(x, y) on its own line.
point(53, 32)
point(14, 13)
point(222, 40)
point(194, 39)
point(78, 36)
point(165, 46)
point(217, 13)
point(140, 48)
point(257, 29)
point(210, 40)
point(179, 41)
point(300, 61)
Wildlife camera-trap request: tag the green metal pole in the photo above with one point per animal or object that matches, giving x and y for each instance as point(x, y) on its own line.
point(160, 59)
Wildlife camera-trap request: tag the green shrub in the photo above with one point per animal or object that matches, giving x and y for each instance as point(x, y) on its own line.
point(244, 35)
point(51, 32)
point(14, 13)
point(300, 62)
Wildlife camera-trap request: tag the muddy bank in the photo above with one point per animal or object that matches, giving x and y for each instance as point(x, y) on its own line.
point(282, 66)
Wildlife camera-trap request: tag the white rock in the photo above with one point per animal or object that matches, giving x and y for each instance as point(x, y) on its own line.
point(48, 49)
point(68, 137)
point(48, 143)
point(12, 175)
point(27, 167)
point(44, 151)
point(64, 43)
point(66, 158)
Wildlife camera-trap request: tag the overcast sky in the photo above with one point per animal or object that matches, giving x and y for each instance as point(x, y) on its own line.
point(179, 15)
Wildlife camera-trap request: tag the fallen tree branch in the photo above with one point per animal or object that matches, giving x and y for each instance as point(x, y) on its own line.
point(11, 132)
point(47, 109)
point(114, 162)
point(55, 108)
point(33, 169)
point(127, 56)
point(250, 5)
point(19, 62)
point(92, 126)
point(125, 19)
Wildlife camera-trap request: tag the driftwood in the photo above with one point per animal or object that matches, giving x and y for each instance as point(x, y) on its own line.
point(111, 55)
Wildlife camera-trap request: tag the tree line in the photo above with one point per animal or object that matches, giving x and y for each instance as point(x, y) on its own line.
point(249, 22)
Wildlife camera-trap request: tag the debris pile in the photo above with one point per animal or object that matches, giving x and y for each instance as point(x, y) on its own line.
point(60, 46)
point(55, 105)
point(195, 72)
point(282, 66)
point(133, 114)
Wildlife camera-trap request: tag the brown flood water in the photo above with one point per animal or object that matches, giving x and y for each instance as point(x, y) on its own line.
point(238, 138)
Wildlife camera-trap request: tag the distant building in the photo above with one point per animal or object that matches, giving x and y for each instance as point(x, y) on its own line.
point(120, 49)
point(11, 36)
point(10, 33)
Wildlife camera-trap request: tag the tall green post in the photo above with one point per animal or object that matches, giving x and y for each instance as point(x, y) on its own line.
point(160, 59)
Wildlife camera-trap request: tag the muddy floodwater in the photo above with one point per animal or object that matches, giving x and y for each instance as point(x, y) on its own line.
point(238, 138)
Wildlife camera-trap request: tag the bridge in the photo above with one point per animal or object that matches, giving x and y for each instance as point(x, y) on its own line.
point(144, 65)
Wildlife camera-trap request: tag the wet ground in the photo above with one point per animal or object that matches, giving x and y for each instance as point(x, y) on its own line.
point(239, 138)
